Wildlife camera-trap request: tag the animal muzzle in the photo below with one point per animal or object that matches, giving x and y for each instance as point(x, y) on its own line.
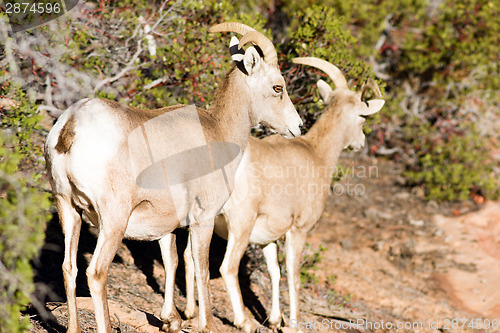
point(292, 129)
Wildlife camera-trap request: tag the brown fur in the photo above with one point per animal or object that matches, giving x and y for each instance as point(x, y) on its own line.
point(66, 136)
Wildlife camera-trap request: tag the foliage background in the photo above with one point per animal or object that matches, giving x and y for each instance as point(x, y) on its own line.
point(435, 61)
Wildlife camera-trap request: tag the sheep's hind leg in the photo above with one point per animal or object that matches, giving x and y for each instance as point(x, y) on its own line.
point(112, 228)
point(71, 223)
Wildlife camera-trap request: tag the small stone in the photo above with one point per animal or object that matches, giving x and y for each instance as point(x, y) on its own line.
point(417, 223)
point(374, 214)
point(378, 246)
point(288, 330)
point(346, 244)
point(418, 191)
point(432, 205)
point(400, 180)
point(439, 233)
point(402, 196)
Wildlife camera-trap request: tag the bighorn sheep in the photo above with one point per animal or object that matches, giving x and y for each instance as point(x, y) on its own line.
point(140, 174)
point(288, 184)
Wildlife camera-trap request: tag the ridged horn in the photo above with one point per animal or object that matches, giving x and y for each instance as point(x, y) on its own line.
point(371, 84)
point(237, 27)
point(333, 72)
point(267, 47)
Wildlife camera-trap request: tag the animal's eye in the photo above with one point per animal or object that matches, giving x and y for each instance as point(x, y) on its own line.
point(278, 89)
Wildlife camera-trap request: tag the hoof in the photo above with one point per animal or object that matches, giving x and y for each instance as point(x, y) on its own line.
point(289, 330)
point(74, 330)
point(209, 330)
point(190, 314)
point(172, 324)
point(276, 326)
point(249, 325)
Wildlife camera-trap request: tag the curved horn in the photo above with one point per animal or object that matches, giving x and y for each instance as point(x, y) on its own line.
point(370, 84)
point(333, 72)
point(237, 27)
point(267, 47)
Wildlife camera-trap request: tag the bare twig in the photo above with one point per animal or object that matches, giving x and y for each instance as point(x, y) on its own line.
point(124, 71)
point(155, 83)
point(51, 110)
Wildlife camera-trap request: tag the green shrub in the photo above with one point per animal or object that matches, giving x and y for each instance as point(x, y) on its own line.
point(365, 20)
point(23, 206)
point(460, 38)
point(311, 258)
point(23, 213)
point(438, 58)
point(317, 31)
point(22, 122)
point(335, 298)
point(453, 54)
point(452, 166)
point(195, 61)
point(310, 261)
point(190, 62)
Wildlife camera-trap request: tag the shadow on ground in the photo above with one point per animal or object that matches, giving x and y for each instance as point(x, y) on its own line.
point(49, 280)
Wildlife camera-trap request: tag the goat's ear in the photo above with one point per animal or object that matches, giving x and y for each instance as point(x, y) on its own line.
point(325, 91)
point(236, 53)
point(374, 106)
point(252, 60)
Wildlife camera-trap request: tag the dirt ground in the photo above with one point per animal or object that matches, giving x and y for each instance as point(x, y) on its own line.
point(393, 262)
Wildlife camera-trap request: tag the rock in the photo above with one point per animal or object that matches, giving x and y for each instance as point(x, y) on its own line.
point(407, 250)
point(346, 244)
point(400, 180)
point(378, 246)
point(8, 103)
point(417, 223)
point(402, 196)
point(433, 205)
point(439, 232)
point(418, 191)
point(373, 214)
